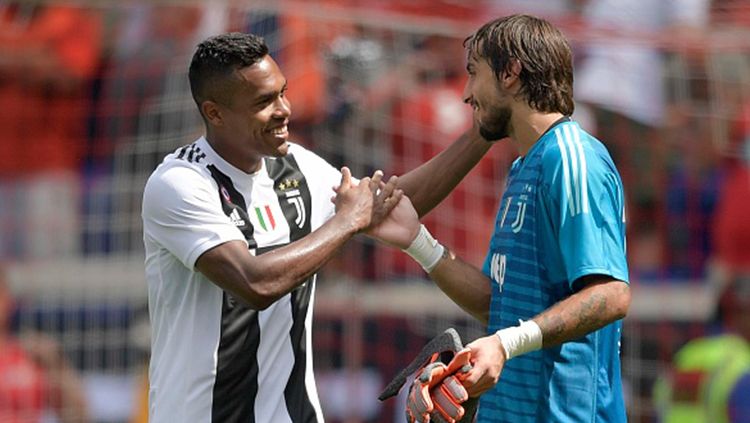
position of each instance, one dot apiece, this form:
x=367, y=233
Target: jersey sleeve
x=584, y=199
x=182, y=213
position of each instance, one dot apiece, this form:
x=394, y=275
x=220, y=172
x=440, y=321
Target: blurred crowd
x=93, y=97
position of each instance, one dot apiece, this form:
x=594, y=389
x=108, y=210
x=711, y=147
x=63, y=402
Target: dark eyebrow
x=266, y=97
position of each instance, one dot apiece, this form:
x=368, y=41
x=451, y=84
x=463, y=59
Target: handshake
x=437, y=394
x=377, y=208
x=383, y=212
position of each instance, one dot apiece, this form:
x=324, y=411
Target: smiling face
x=490, y=103
x=251, y=122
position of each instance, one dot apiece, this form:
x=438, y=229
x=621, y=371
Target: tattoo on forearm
x=559, y=325
x=552, y=327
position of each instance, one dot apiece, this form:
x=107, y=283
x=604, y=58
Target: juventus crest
x=294, y=198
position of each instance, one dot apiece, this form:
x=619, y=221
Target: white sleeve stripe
x=574, y=169
x=584, y=173
x=566, y=171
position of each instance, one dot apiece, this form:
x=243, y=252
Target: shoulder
x=177, y=172
x=311, y=164
x=569, y=150
x=304, y=156
x=178, y=175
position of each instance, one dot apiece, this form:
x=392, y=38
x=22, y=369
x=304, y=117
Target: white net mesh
x=373, y=85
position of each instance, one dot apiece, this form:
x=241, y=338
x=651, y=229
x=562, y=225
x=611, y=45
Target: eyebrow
x=265, y=97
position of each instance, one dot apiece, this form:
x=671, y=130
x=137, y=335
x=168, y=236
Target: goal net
x=373, y=85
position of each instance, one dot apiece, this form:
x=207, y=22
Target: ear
x=511, y=73
x=212, y=112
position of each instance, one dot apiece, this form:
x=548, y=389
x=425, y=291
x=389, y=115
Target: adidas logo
x=236, y=219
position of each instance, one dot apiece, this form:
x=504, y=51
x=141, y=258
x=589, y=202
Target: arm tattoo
x=573, y=318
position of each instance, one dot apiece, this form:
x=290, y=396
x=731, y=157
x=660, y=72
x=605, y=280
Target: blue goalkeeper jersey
x=560, y=218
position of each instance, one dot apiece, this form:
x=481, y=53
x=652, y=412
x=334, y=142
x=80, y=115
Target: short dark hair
x=217, y=58
x=543, y=51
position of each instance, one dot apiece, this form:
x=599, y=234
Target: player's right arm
x=186, y=220
x=261, y=280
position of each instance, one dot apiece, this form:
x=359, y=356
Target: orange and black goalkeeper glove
x=436, y=394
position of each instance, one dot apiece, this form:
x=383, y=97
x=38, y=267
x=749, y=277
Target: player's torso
x=514, y=262
x=251, y=365
x=279, y=207
x=528, y=276
x=518, y=287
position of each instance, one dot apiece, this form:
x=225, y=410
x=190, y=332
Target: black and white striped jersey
x=213, y=359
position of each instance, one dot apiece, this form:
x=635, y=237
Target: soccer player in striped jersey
x=235, y=226
x=556, y=262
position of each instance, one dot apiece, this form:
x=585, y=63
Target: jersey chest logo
x=236, y=219
x=517, y=209
x=289, y=189
x=293, y=194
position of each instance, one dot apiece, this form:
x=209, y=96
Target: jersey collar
x=223, y=165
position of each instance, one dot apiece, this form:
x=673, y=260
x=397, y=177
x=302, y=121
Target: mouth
x=281, y=132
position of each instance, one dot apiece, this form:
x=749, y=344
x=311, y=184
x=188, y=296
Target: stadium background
x=94, y=93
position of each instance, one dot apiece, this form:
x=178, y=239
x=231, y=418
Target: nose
x=282, y=108
x=468, y=98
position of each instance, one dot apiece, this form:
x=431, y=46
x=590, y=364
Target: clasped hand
x=381, y=210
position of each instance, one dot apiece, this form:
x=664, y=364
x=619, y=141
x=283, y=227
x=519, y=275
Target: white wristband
x=425, y=250
x=520, y=339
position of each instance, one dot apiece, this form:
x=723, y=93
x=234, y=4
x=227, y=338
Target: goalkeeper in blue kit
x=554, y=285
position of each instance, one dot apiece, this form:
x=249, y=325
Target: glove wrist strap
x=520, y=339
x=425, y=250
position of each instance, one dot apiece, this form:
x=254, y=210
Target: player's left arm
x=427, y=185
x=585, y=204
x=600, y=302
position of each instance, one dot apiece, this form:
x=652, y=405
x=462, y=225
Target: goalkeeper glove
x=436, y=394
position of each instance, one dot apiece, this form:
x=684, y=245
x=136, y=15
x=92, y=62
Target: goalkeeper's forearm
x=466, y=285
x=602, y=301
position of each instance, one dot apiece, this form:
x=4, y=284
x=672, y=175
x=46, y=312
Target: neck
x=231, y=155
x=528, y=126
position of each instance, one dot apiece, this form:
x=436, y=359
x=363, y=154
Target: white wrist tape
x=520, y=339
x=425, y=250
